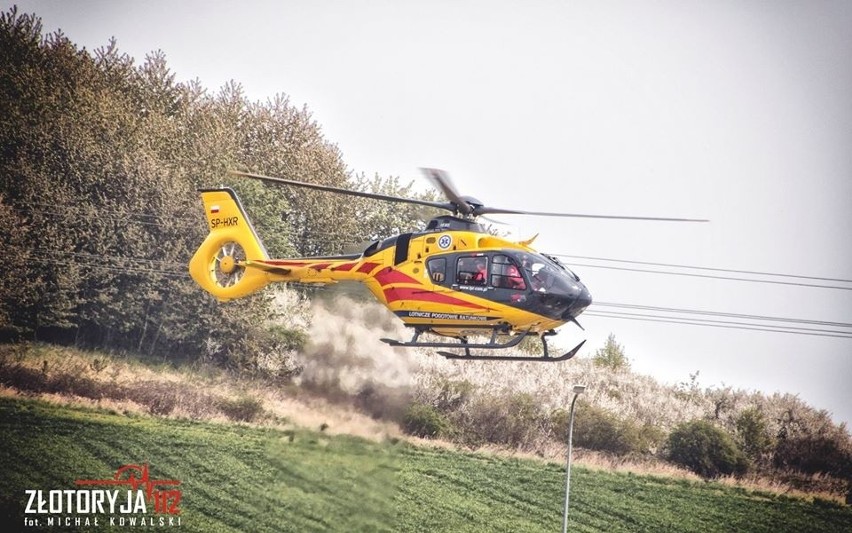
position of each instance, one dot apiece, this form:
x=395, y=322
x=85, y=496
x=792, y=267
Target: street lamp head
x=578, y=389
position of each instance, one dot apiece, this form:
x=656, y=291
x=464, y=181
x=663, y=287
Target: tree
x=611, y=355
x=100, y=164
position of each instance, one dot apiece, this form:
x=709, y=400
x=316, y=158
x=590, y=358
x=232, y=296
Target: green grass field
x=240, y=478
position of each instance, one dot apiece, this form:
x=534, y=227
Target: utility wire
x=709, y=276
x=726, y=323
x=723, y=315
x=112, y=268
x=752, y=327
x=731, y=271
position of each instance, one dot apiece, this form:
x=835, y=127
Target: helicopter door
x=507, y=281
x=505, y=274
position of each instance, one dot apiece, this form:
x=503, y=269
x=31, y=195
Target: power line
x=723, y=315
x=100, y=258
x=709, y=276
x=113, y=268
x=128, y=218
x=722, y=324
x=669, y=265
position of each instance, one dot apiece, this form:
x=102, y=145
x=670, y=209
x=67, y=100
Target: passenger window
x=472, y=270
x=438, y=269
x=505, y=274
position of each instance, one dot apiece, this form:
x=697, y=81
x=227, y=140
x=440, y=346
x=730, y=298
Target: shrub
x=245, y=409
x=813, y=454
x=423, y=420
x=598, y=429
x=514, y=420
x=706, y=450
x=753, y=434
x=453, y=394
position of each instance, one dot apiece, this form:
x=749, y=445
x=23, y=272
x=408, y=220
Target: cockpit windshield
x=558, y=263
x=546, y=274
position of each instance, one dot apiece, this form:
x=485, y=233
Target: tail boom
x=232, y=261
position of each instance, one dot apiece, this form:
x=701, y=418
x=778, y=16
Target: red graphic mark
x=165, y=501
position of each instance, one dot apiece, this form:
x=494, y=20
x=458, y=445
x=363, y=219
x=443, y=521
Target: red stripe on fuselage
x=366, y=268
x=386, y=276
x=421, y=295
x=319, y=266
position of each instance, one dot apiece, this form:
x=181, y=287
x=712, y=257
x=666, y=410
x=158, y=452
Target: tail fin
x=219, y=265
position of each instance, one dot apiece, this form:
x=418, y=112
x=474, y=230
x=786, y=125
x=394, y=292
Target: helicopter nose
x=580, y=302
x=583, y=301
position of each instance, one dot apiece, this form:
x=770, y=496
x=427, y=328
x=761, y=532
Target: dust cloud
x=345, y=351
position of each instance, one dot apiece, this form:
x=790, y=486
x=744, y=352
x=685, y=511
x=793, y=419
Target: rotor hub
x=226, y=268
x=227, y=264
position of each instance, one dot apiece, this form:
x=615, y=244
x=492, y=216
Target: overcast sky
x=735, y=111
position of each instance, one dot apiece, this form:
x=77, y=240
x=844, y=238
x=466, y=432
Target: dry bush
x=512, y=420
x=425, y=421
x=627, y=395
x=600, y=430
x=54, y=371
x=627, y=413
x=243, y=409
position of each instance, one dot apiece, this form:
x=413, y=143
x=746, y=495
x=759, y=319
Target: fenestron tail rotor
x=227, y=266
x=222, y=263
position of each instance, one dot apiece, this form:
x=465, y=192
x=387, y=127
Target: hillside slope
x=241, y=478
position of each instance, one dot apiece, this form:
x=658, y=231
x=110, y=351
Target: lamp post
x=578, y=390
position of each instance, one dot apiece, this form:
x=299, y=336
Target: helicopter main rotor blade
x=329, y=188
x=485, y=210
x=443, y=182
x=456, y=204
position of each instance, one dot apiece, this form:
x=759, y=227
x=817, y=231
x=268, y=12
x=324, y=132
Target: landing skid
x=491, y=345
x=544, y=358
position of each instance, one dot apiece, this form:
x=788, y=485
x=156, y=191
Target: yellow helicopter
x=453, y=279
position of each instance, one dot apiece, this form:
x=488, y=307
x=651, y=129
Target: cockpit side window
x=438, y=269
x=472, y=270
x=505, y=274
